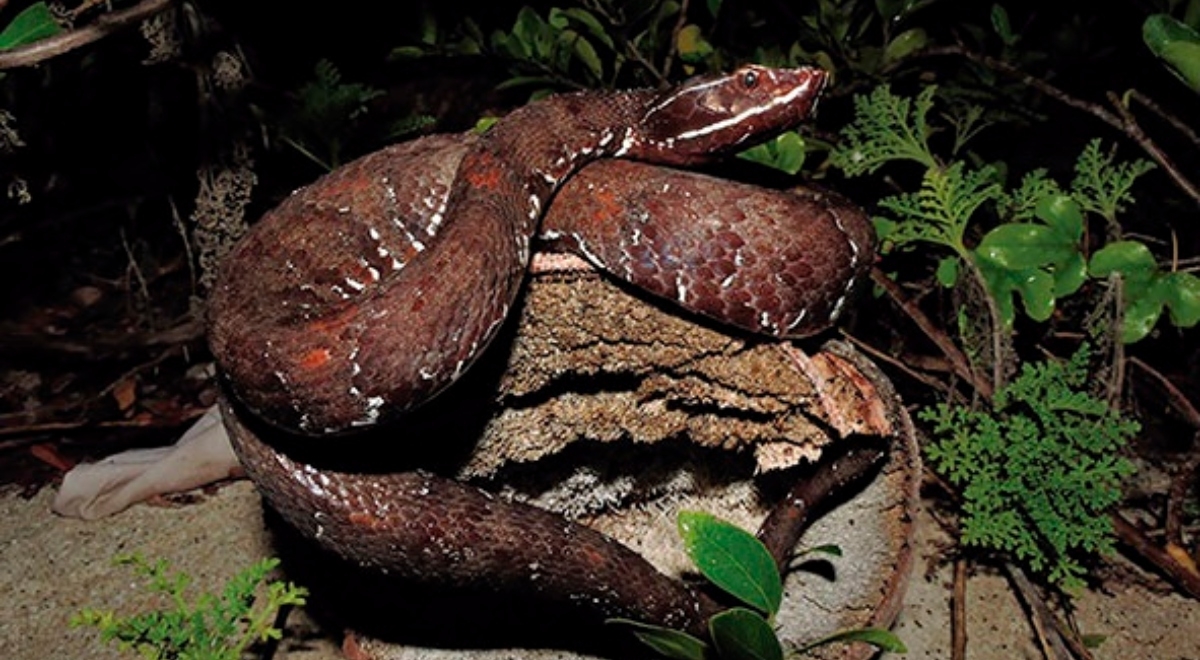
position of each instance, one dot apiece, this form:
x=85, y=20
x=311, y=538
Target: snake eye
x=750, y=79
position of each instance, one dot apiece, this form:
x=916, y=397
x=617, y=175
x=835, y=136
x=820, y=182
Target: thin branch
x=1124, y=121
x=103, y=26
x=1178, y=400
x=671, y=49
x=1058, y=642
x=1181, y=482
x=958, y=611
x=1171, y=119
x=900, y=364
x=958, y=361
x=786, y=522
x=1184, y=576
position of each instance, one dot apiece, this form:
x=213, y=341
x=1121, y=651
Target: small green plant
x=1037, y=253
x=326, y=114
x=210, y=627
x=1039, y=470
x=739, y=564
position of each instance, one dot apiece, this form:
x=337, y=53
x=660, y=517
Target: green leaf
x=1002, y=26
x=785, y=153
x=879, y=638
x=34, y=23
x=732, y=559
x=832, y=549
x=589, y=21
x=742, y=634
x=886, y=128
x=1177, y=45
x=693, y=47
x=714, y=7
x=1063, y=213
x=665, y=641
x=904, y=44
x=1183, y=297
x=947, y=271
x=1130, y=258
x=586, y=53
x=1140, y=316
x=1102, y=186
x=1025, y=246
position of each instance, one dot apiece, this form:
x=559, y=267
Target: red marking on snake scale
x=364, y=519
x=487, y=175
x=315, y=359
x=605, y=207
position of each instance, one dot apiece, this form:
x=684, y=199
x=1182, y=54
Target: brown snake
x=367, y=293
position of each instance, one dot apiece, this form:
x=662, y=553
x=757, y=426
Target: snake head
x=709, y=115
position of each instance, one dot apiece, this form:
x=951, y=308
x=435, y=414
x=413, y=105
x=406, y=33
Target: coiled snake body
x=367, y=293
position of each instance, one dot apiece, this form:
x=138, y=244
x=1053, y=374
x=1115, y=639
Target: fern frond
x=1021, y=203
x=940, y=210
x=886, y=127
x=1103, y=186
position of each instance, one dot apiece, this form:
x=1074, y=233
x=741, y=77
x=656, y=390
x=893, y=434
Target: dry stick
x=958, y=361
x=679, y=25
x=958, y=612
x=27, y=435
x=67, y=41
x=1181, y=481
x=1171, y=119
x=781, y=529
x=1186, y=578
x=929, y=381
x=1058, y=641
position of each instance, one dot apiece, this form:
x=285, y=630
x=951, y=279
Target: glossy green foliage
x=742, y=634
x=1038, y=262
x=732, y=559
x=738, y=563
x=1146, y=289
x=1036, y=255
x=34, y=23
x=1177, y=45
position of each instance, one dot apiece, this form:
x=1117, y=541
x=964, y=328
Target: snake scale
x=368, y=292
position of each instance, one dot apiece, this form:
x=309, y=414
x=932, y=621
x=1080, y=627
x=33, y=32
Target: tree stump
x=618, y=412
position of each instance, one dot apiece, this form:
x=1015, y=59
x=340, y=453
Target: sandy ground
x=53, y=566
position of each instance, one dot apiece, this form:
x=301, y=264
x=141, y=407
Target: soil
x=55, y=566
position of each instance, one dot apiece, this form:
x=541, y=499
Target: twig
x=103, y=26
x=1178, y=400
x=896, y=362
x=1058, y=642
x=673, y=47
x=1124, y=121
x=958, y=612
x=958, y=361
x=1174, y=121
x=1182, y=480
x=18, y=436
x=781, y=529
x=102, y=346
x=1183, y=576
